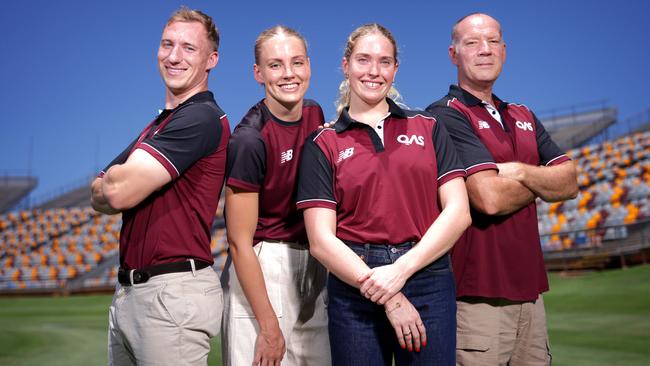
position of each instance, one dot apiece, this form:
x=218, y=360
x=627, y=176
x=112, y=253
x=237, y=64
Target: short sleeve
x=315, y=178
x=471, y=151
x=449, y=165
x=246, y=166
x=192, y=133
x=549, y=152
x=120, y=159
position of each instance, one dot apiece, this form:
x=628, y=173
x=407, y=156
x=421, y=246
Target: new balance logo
x=345, y=154
x=286, y=156
x=406, y=140
x=524, y=125
x=482, y=125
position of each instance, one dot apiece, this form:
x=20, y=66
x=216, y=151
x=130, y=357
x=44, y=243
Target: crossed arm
x=124, y=186
x=518, y=184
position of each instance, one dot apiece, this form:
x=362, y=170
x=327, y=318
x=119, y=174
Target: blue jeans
x=360, y=333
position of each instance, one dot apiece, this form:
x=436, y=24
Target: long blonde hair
x=344, y=88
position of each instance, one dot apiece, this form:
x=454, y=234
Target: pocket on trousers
x=209, y=306
x=271, y=263
x=473, y=343
x=170, y=303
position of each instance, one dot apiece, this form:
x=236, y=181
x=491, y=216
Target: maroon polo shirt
x=263, y=156
x=382, y=193
x=173, y=223
x=498, y=256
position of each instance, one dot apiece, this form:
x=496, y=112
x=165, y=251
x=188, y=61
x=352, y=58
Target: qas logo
x=526, y=126
x=406, y=140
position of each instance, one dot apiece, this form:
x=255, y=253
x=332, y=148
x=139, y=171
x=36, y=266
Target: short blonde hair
x=185, y=14
x=272, y=32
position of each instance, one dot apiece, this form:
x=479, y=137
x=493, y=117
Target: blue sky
x=79, y=78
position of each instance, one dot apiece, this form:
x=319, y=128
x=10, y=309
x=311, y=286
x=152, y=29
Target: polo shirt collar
x=470, y=100
x=345, y=121
x=268, y=115
x=200, y=97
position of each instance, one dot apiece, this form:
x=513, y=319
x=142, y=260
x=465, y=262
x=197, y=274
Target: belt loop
x=193, y=267
x=131, y=276
x=366, y=248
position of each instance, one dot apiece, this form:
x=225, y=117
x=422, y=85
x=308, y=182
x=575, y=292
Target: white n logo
x=345, y=154
x=286, y=156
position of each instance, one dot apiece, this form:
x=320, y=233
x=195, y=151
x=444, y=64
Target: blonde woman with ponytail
x=384, y=200
x=274, y=303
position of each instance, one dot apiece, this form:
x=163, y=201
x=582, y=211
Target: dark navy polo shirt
x=263, y=156
x=498, y=256
x=383, y=193
x=173, y=223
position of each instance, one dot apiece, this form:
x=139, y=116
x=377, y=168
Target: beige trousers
x=168, y=320
x=501, y=332
x=296, y=286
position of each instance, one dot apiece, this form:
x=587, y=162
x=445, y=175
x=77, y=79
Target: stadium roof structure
x=77, y=197
x=14, y=189
x=573, y=129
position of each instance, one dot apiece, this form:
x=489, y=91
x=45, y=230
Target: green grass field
x=595, y=319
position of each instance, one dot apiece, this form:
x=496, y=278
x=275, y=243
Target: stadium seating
x=614, y=180
x=46, y=248
x=51, y=248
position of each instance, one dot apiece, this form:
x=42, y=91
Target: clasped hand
x=382, y=283
x=405, y=319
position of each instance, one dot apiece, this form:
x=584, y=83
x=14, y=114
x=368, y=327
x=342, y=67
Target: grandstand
x=13, y=189
x=62, y=245
x=573, y=126
x=68, y=249
x=607, y=222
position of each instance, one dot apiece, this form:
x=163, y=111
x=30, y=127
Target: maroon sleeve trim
x=233, y=182
x=480, y=167
x=162, y=159
x=558, y=160
x=316, y=203
x=451, y=175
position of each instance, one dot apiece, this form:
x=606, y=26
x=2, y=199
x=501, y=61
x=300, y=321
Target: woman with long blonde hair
x=384, y=200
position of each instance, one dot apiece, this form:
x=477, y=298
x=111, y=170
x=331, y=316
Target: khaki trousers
x=501, y=332
x=296, y=286
x=167, y=320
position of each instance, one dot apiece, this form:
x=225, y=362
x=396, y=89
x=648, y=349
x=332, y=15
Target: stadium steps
x=13, y=189
x=78, y=282
x=567, y=261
